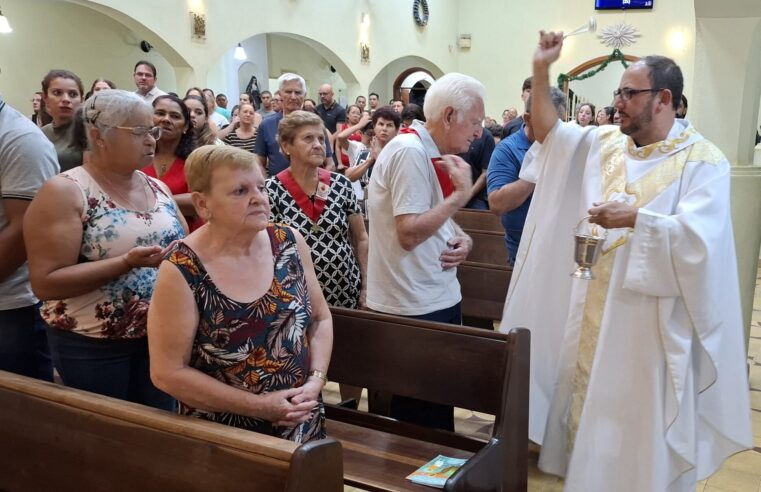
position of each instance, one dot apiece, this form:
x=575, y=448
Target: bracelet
x=320, y=375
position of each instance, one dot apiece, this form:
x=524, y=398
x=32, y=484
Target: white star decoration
x=618, y=35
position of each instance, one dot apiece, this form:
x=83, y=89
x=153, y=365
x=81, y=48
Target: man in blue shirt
x=509, y=195
x=292, y=89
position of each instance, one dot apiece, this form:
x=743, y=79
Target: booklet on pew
x=436, y=472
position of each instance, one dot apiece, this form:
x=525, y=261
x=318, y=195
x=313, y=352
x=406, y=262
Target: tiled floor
x=740, y=473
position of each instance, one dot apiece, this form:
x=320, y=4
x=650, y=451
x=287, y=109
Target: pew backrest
x=59, y=438
x=454, y=365
x=480, y=220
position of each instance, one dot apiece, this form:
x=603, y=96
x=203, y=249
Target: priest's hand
x=548, y=50
x=613, y=215
x=459, y=248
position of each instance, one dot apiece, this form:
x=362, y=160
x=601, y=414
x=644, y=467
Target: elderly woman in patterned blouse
x=94, y=237
x=239, y=330
x=323, y=207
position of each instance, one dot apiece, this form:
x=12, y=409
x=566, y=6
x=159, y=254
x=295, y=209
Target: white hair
x=288, y=77
x=454, y=90
x=113, y=107
x=108, y=108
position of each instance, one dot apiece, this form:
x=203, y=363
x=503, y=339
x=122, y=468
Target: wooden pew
x=484, y=289
x=447, y=364
x=488, y=247
x=63, y=439
x=479, y=220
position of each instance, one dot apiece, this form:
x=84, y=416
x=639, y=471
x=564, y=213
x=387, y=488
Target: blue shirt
x=504, y=168
x=267, y=145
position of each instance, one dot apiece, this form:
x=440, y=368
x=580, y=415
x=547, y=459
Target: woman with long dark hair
x=176, y=143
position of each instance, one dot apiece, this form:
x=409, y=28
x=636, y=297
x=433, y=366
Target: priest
x=638, y=377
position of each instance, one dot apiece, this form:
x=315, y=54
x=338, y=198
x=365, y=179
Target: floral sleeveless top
x=260, y=346
x=118, y=309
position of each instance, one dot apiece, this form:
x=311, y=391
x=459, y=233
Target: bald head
x=326, y=94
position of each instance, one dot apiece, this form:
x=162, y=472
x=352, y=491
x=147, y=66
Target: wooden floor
x=740, y=473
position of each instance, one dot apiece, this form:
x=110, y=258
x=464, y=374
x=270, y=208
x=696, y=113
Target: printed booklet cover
x=436, y=472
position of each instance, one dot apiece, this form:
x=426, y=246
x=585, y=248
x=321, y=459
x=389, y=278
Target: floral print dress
x=258, y=346
x=116, y=310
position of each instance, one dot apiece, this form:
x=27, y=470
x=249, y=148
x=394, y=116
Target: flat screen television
x=623, y=4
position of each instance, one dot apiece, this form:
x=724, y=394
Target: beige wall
x=292, y=55
x=505, y=35
x=71, y=34
x=51, y=34
x=728, y=71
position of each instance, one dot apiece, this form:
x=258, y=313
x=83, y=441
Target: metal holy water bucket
x=587, y=249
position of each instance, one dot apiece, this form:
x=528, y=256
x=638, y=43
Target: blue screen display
x=623, y=4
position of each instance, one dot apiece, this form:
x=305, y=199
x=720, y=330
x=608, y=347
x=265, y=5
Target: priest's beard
x=638, y=124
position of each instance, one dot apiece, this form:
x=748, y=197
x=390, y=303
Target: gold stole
x=645, y=189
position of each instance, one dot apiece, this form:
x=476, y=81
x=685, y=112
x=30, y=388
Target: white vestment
x=663, y=397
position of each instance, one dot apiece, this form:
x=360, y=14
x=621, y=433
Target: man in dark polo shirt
x=291, y=88
x=330, y=111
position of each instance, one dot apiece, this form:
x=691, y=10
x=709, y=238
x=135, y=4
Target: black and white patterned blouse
x=334, y=260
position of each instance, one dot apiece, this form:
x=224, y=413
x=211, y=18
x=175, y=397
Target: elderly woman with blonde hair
x=94, y=237
x=238, y=328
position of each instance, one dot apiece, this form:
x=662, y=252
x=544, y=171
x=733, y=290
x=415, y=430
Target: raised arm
x=543, y=114
x=342, y=137
x=414, y=228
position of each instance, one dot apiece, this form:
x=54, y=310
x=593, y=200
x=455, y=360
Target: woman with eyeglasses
x=95, y=236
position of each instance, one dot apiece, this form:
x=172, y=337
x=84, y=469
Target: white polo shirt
x=407, y=283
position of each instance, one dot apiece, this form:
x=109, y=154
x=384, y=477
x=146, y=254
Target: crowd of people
x=184, y=256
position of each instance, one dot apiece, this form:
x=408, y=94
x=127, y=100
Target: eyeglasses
x=141, y=131
x=625, y=93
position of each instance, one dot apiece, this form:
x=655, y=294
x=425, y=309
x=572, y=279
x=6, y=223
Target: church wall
x=53, y=34
x=728, y=73
x=292, y=55
x=505, y=33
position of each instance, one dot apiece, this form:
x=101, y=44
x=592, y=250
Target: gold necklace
x=162, y=165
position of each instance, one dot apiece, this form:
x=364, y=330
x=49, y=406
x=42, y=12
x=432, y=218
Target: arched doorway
x=404, y=73
x=269, y=55
x=412, y=84
x=594, y=80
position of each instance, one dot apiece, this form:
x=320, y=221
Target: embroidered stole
x=312, y=209
x=644, y=190
x=447, y=187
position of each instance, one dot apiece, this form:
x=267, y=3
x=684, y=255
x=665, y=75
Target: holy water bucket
x=587, y=248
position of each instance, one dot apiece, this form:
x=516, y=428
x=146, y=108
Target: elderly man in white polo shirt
x=416, y=186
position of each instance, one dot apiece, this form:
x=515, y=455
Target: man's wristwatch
x=320, y=375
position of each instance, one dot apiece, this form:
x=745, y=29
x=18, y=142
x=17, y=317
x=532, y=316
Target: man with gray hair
x=291, y=88
x=416, y=186
x=510, y=196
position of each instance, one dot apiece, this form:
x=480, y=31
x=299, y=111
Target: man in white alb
x=638, y=377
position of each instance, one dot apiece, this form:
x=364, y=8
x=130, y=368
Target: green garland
x=616, y=55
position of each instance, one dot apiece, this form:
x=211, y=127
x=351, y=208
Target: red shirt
x=174, y=178
x=356, y=136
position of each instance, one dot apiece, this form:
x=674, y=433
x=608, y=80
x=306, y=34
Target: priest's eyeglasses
x=626, y=93
x=141, y=131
